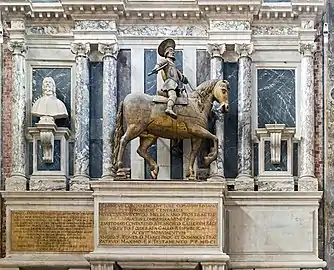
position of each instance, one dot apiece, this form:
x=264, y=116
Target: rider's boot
x=169, y=110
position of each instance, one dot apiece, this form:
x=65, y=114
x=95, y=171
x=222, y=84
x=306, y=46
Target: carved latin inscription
x=163, y=224
x=52, y=231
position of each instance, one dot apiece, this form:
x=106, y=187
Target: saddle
x=161, y=97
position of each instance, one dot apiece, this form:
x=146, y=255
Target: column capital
x=216, y=50
x=244, y=49
x=17, y=47
x=109, y=49
x=80, y=48
x=307, y=48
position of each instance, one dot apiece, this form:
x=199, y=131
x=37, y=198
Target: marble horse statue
x=145, y=117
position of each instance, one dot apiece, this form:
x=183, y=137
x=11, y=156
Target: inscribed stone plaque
x=158, y=224
x=52, y=231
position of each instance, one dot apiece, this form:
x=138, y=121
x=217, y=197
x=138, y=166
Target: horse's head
x=220, y=93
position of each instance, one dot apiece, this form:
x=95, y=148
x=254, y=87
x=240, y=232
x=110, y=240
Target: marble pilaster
x=80, y=179
x=244, y=179
x=110, y=52
x=307, y=180
x=17, y=180
x=216, y=52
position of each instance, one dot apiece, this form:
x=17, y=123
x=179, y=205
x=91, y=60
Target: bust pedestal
x=50, y=157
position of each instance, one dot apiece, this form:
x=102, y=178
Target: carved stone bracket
x=18, y=47
x=307, y=49
x=80, y=49
x=109, y=49
x=244, y=50
x=274, y=133
x=216, y=50
x=47, y=129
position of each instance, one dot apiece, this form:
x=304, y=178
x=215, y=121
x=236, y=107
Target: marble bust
x=49, y=107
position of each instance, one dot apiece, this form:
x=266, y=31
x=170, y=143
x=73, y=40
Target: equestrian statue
x=168, y=115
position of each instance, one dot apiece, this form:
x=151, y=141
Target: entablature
x=168, y=9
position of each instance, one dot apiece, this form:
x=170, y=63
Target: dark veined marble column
x=307, y=180
x=110, y=52
x=217, y=167
x=244, y=179
x=18, y=181
x=80, y=179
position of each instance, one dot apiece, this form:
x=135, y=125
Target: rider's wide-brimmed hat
x=165, y=45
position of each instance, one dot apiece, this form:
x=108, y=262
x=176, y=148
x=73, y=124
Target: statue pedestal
x=158, y=223
x=49, y=174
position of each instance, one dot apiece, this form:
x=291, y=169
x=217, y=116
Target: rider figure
x=172, y=74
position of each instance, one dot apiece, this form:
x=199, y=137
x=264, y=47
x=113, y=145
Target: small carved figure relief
x=146, y=116
x=170, y=74
x=48, y=108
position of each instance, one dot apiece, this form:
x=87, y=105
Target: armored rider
x=171, y=75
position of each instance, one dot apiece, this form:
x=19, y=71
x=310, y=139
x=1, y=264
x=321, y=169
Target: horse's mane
x=204, y=89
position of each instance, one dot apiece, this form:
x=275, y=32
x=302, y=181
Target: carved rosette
x=18, y=48
x=244, y=50
x=80, y=49
x=109, y=49
x=307, y=49
x=216, y=50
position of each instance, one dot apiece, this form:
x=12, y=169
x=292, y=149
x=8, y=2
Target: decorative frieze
x=272, y=30
x=94, y=25
x=232, y=25
x=163, y=30
x=49, y=30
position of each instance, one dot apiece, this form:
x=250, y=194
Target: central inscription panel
x=158, y=224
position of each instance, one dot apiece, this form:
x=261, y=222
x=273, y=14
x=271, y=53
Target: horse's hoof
x=120, y=175
x=207, y=160
x=191, y=178
x=154, y=173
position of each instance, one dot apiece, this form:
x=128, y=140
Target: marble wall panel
x=150, y=87
x=283, y=165
x=96, y=117
x=62, y=78
x=256, y=159
x=276, y=97
x=123, y=89
x=31, y=157
x=71, y=158
x=55, y=166
x=231, y=122
x=176, y=146
x=202, y=75
x=295, y=159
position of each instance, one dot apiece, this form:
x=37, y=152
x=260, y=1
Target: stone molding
x=80, y=49
x=307, y=49
x=244, y=50
x=108, y=49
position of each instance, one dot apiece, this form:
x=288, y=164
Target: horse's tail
x=118, y=133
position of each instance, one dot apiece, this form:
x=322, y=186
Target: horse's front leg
x=198, y=131
x=195, y=145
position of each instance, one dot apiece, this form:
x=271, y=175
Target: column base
x=308, y=183
x=276, y=183
x=244, y=183
x=216, y=178
x=79, y=183
x=47, y=183
x=16, y=183
x=108, y=177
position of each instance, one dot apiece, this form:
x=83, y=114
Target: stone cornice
x=171, y=9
